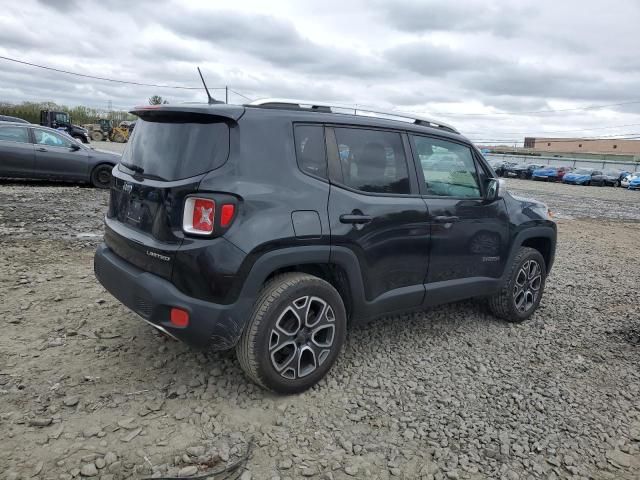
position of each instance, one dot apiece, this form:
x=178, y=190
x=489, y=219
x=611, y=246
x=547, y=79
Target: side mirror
x=496, y=188
x=74, y=147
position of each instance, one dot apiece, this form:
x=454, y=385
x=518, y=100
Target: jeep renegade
x=271, y=227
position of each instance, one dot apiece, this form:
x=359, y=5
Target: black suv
x=271, y=227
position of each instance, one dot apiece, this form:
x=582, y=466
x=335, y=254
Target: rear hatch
x=169, y=153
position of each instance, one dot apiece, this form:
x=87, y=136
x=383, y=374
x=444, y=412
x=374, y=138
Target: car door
x=377, y=216
x=16, y=152
x=469, y=235
x=59, y=156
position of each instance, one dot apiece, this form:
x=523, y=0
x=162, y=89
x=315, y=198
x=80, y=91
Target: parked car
x=271, y=227
x=35, y=152
x=550, y=174
x=580, y=176
x=500, y=166
x=634, y=183
x=7, y=118
x=607, y=177
x=520, y=170
x=627, y=179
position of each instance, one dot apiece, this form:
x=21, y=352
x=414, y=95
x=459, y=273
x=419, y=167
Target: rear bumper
x=152, y=297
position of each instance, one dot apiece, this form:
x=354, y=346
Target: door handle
x=42, y=149
x=355, y=219
x=445, y=219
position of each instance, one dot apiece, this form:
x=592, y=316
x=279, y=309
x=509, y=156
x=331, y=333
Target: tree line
x=30, y=111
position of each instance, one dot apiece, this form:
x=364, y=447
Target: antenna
x=211, y=99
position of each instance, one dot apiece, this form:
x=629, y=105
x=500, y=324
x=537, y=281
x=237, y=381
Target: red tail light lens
x=226, y=214
x=199, y=214
x=179, y=317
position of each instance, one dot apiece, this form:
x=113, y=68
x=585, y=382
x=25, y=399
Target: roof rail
x=312, y=105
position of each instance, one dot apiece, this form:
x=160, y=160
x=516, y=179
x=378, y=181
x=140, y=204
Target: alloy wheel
x=527, y=286
x=302, y=337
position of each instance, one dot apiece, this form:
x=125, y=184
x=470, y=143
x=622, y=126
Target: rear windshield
x=177, y=145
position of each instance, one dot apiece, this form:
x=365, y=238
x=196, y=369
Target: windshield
x=582, y=171
x=176, y=145
x=62, y=117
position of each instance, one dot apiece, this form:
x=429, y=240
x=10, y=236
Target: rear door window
x=176, y=145
x=14, y=134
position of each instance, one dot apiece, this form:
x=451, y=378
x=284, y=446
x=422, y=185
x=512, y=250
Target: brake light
x=198, y=216
x=226, y=214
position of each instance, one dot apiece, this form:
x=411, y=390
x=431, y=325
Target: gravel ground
x=88, y=390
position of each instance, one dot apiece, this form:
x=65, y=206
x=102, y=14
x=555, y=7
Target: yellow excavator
x=103, y=130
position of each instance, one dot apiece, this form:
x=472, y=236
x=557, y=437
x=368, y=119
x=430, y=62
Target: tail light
x=208, y=215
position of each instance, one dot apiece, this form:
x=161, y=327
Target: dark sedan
x=7, y=118
x=35, y=152
x=608, y=177
x=519, y=170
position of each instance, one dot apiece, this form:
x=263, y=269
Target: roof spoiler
x=232, y=112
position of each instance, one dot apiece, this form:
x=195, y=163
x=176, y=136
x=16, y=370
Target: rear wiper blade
x=132, y=167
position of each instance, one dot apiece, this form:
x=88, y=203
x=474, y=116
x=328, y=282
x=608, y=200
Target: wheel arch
x=542, y=239
x=341, y=271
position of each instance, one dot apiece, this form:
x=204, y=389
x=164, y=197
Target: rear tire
x=119, y=138
x=522, y=291
x=294, y=335
x=101, y=176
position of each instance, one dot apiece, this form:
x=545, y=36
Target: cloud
x=435, y=61
x=417, y=16
x=270, y=39
x=429, y=56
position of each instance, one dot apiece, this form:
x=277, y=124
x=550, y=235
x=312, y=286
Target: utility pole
x=226, y=94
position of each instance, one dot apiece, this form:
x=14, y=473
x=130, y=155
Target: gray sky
x=451, y=60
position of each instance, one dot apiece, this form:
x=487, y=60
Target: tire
x=101, y=176
x=269, y=350
x=616, y=184
x=508, y=304
x=523, y=175
x=96, y=136
x=119, y=138
x=81, y=139
x=587, y=183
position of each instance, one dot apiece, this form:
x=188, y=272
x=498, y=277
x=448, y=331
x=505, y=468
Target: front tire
x=96, y=136
x=294, y=335
x=522, y=291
